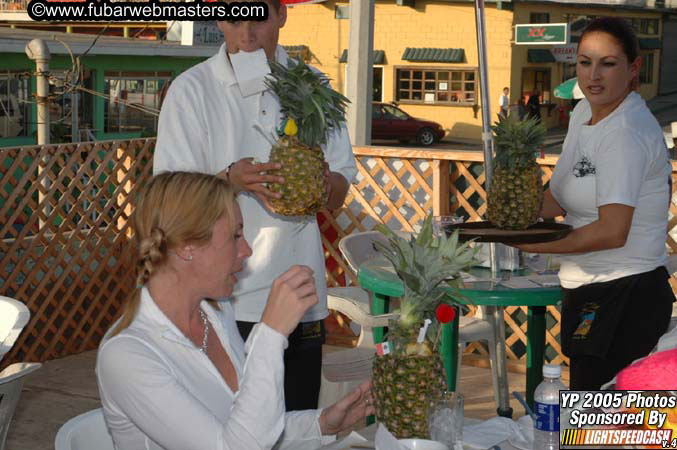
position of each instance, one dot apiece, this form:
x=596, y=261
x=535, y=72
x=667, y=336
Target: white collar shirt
x=160, y=392
x=205, y=125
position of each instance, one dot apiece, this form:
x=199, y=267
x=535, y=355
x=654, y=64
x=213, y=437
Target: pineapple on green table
x=516, y=193
x=311, y=110
x=403, y=380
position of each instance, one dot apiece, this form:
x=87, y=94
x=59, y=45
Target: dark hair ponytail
x=620, y=29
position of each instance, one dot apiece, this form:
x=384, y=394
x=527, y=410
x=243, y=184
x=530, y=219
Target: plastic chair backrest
x=14, y=316
x=84, y=432
x=11, y=381
x=357, y=248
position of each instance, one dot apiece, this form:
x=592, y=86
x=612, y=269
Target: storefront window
x=539, y=17
x=62, y=96
x=15, y=96
x=133, y=97
x=438, y=86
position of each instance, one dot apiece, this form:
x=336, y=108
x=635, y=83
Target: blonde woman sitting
x=173, y=372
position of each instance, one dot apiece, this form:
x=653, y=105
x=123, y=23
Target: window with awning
x=439, y=55
x=540, y=55
x=379, y=57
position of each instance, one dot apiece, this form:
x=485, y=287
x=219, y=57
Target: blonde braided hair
x=174, y=209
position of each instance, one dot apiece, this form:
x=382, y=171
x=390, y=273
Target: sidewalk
x=663, y=107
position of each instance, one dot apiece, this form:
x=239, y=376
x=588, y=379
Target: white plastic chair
x=357, y=248
x=343, y=370
x=14, y=316
x=11, y=382
x=87, y=431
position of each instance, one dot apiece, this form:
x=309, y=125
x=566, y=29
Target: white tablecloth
x=472, y=429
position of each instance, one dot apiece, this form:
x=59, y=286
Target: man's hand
x=248, y=176
x=336, y=186
x=348, y=411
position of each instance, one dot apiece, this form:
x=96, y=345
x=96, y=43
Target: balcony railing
x=64, y=231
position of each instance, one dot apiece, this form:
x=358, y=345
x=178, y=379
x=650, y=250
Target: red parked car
x=390, y=122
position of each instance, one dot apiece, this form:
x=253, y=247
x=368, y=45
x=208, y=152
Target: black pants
x=302, y=364
x=606, y=326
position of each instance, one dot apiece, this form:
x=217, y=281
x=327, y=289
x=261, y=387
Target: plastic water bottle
x=546, y=407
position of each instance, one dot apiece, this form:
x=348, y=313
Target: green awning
x=540, y=55
x=444, y=55
x=379, y=56
x=650, y=43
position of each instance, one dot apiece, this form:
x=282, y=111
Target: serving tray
x=488, y=232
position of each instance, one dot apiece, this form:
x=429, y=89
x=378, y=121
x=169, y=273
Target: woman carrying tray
x=612, y=182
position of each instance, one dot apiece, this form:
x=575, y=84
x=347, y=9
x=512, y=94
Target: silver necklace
x=205, y=331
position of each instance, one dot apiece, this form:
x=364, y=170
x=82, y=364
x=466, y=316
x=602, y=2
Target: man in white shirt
x=504, y=102
x=206, y=125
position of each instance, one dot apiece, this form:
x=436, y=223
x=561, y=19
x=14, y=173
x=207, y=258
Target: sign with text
x=541, y=34
x=617, y=419
x=564, y=53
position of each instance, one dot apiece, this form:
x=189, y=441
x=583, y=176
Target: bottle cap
x=552, y=370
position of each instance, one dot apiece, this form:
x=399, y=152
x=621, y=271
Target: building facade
x=425, y=54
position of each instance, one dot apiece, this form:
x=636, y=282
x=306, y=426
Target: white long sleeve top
x=160, y=392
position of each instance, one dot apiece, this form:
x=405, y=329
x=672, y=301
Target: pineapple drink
x=403, y=380
x=311, y=110
x=516, y=193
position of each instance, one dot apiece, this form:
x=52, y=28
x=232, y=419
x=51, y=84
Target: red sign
x=297, y=2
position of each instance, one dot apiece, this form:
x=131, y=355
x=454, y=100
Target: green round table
x=378, y=276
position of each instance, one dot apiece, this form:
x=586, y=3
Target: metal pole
x=38, y=51
x=75, y=113
x=504, y=408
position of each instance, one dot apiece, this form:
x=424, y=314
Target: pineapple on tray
x=412, y=370
x=311, y=110
x=516, y=193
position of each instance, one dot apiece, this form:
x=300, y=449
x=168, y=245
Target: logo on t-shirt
x=587, y=316
x=584, y=167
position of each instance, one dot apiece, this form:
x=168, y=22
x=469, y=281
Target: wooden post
x=440, y=187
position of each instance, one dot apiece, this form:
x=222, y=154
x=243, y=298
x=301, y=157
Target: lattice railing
x=399, y=187
x=64, y=249
x=64, y=226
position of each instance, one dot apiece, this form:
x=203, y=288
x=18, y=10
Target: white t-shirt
x=622, y=159
x=160, y=392
x=205, y=125
x=504, y=101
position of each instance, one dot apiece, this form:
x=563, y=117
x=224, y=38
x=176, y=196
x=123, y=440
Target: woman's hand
x=609, y=231
x=550, y=208
x=348, y=411
x=292, y=294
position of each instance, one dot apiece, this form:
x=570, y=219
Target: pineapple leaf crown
x=429, y=267
x=517, y=141
x=306, y=97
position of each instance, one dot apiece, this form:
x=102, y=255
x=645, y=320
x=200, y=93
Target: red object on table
x=445, y=313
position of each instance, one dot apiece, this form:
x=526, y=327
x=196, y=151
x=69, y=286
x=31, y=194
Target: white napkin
x=251, y=69
x=385, y=440
x=525, y=438
x=520, y=283
x=346, y=442
x=490, y=432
